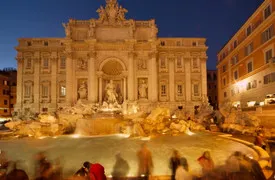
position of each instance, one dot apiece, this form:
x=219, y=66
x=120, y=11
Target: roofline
x=233, y=37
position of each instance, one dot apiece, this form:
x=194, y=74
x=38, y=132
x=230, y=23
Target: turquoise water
x=74, y=150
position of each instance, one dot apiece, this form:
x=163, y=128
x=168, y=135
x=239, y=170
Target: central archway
x=112, y=69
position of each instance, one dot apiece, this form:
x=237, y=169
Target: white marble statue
x=82, y=91
x=67, y=29
x=111, y=94
x=142, y=90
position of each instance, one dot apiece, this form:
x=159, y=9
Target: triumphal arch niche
x=111, y=60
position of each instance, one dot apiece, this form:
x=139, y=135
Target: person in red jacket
x=97, y=172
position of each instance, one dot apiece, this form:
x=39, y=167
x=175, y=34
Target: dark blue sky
x=216, y=20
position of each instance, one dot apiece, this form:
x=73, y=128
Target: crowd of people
x=238, y=166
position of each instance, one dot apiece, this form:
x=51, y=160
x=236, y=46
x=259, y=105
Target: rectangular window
x=225, y=94
x=268, y=34
x=234, y=60
x=5, y=110
x=249, y=49
x=62, y=91
x=45, y=91
x=196, y=90
x=248, y=86
x=4, y=91
x=5, y=82
x=179, y=64
x=254, y=84
x=162, y=62
x=224, y=81
x=27, y=90
x=46, y=63
x=268, y=55
x=235, y=44
x=249, y=67
x=5, y=102
x=270, y=78
x=29, y=63
x=195, y=63
x=163, y=90
x=223, y=68
x=248, y=30
x=46, y=43
x=62, y=62
x=180, y=92
x=236, y=75
x=267, y=12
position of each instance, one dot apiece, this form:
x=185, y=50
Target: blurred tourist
x=17, y=174
x=182, y=172
x=174, y=163
x=43, y=167
x=4, y=163
x=97, y=172
x=206, y=162
x=120, y=169
x=145, y=166
x=84, y=171
x=259, y=141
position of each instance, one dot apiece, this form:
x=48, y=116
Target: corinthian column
x=92, y=88
x=172, y=79
x=154, y=82
x=69, y=79
x=36, y=83
x=53, y=84
x=203, y=77
x=188, y=88
x=20, y=85
x=131, y=81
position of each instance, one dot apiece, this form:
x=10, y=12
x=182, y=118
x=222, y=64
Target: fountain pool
x=74, y=150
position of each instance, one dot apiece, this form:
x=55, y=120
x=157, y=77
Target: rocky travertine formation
x=83, y=119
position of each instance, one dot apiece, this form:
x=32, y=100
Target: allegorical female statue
x=142, y=90
x=82, y=91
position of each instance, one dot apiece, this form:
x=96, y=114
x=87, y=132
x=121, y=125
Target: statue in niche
x=102, y=13
x=67, y=30
x=91, y=30
x=82, y=90
x=82, y=64
x=121, y=13
x=111, y=94
x=142, y=90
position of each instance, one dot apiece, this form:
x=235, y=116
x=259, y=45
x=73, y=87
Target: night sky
x=216, y=20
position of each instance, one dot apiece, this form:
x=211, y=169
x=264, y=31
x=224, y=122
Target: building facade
x=152, y=71
x=246, y=64
x=212, y=90
x=7, y=92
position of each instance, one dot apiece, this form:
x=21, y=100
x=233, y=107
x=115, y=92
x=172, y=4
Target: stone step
x=214, y=128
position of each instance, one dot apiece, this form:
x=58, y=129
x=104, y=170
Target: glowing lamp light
x=174, y=116
x=251, y=103
x=76, y=136
x=262, y=103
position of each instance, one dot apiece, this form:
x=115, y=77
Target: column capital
x=19, y=59
x=152, y=54
x=124, y=74
x=91, y=54
x=99, y=73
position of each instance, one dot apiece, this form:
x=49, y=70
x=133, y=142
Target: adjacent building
x=7, y=92
x=212, y=90
x=246, y=64
x=145, y=69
